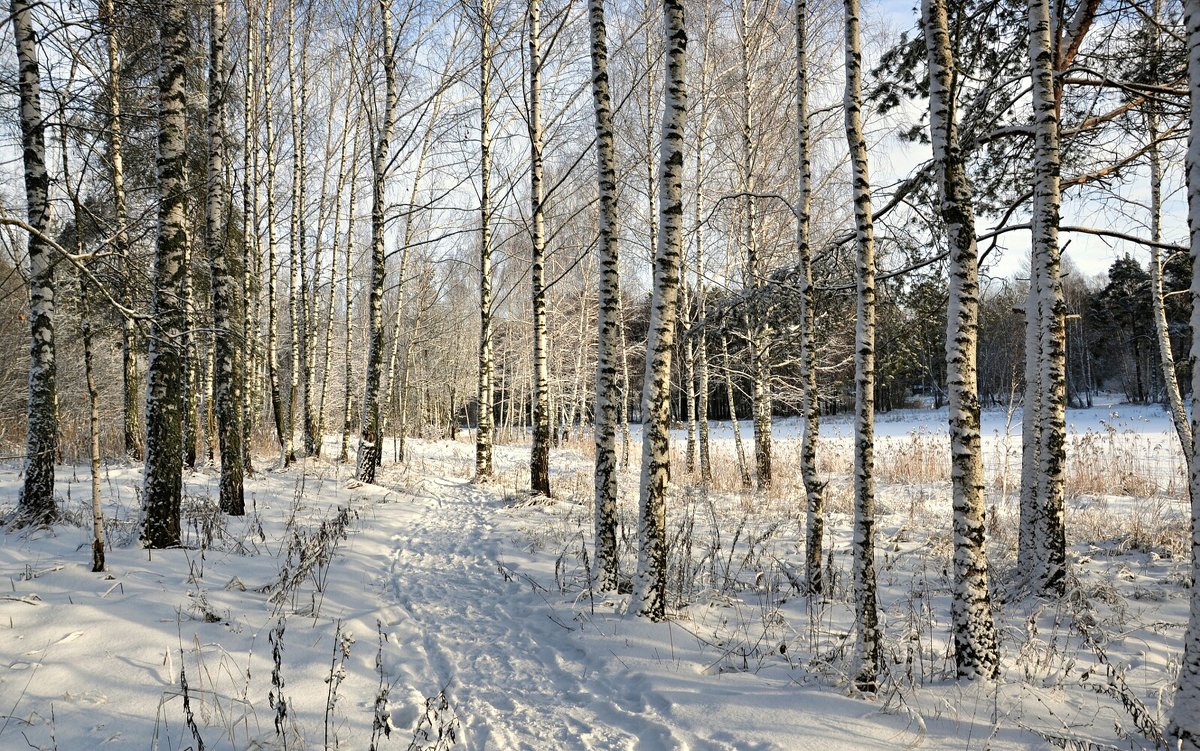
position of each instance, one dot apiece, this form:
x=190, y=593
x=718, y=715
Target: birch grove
x=389, y=242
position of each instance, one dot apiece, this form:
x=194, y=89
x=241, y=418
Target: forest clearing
x=440, y=609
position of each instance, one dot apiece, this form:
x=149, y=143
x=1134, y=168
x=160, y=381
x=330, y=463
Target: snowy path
x=514, y=677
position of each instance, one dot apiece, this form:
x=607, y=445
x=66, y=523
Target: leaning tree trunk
x=608, y=315
x=1166, y=358
x=164, y=437
x=868, y=652
x=370, y=436
x=976, y=653
x=89, y=370
x=36, y=504
x=814, y=489
x=223, y=262
x=1185, y=715
x=539, y=458
x=1050, y=538
x=485, y=423
x=116, y=149
x=650, y=591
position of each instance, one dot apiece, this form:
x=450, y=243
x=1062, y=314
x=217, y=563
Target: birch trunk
x=272, y=297
x=164, y=451
x=868, y=653
x=249, y=235
x=226, y=303
x=1051, y=539
x=36, y=505
x=485, y=427
x=116, y=150
x=1179, y=415
x=1185, y=715
x=85, y=332
x=348, y=361
x=308, y=293
x=370, y=436
x=976, y=654
x=651, y=582
x=295, y=260
x=539, y=459
x=814, y=489
x=608, y=315
x=191, y=358
x=756, y=318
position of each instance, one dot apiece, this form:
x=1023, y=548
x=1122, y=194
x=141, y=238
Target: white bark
x=36, y=504
x=608, y=410
x=370, y=435
x=163, y=479
x=651, y=580
x=1185, y=714
x=814, y=489
x=1050, y=539
x=484, y=395
x=116, y=151
x=539, y=459
x=226, y=304
x=976, y=654
x=868, y=654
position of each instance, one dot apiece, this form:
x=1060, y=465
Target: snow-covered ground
x=432, y=610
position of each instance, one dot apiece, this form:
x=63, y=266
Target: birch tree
x=539, y=459
x=370, y=433
x=36, y=504
x=608, y=410
x=226, y=303
x=651, y=580
x=484, y=396
x=814, y=490
x=163, y=480
x=1049, y=540
x=976, y=654
x=131, y=428
x=868, y=654
x=1185, y=714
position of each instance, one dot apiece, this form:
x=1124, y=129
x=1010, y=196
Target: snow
x=489, y=629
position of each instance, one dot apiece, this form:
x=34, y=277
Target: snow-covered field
x=443, y=614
